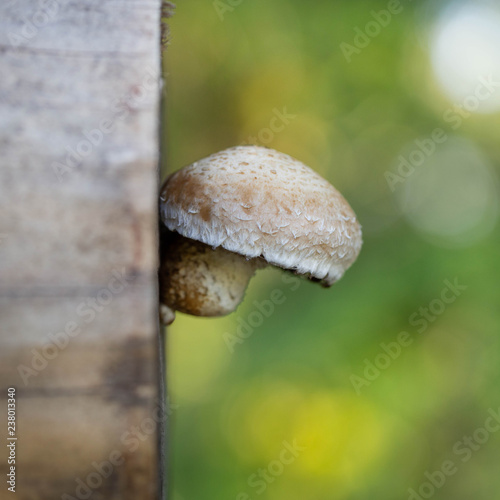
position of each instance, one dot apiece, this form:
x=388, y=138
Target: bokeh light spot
x=465, y=51
x=452, y=198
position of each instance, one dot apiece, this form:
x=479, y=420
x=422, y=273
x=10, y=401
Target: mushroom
x=239, y=210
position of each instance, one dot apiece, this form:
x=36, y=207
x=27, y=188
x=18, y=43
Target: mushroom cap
x=258, y=202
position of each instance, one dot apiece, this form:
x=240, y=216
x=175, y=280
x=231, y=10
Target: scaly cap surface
x=255, y=201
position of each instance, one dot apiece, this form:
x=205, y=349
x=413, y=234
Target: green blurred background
x=314, y=371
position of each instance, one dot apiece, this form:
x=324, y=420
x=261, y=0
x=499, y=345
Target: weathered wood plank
x=79, y=113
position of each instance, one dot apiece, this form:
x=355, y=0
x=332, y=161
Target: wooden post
x=79, y=345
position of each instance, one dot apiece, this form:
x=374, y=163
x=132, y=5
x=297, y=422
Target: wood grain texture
x=79, y=135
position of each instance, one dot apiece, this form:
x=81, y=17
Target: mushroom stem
x=200, y=280
x=167, y=315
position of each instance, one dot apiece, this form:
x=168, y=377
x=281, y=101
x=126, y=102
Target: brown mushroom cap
x=196, y=279
x=258, y=202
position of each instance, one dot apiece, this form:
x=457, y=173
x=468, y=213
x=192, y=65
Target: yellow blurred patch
x=341, y=433
x=196, y=356
x=267, y=90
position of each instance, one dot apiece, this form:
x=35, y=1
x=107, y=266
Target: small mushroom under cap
x=199, y=280
x=261, y=204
